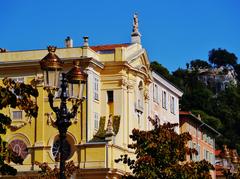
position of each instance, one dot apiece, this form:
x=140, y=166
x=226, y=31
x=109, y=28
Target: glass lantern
x=51, y=65
x=76, y=81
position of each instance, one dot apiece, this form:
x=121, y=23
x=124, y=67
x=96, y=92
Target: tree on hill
x=199, y=64
x=209, y=119
x=157, y=67
x=220, y=111
x=237, y=71
x=161, y=153
x=226, y=107
x=221, y=57
x=14, y=95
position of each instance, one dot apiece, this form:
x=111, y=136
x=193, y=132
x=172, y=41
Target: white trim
x=166, y=84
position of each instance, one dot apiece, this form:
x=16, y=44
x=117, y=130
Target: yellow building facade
x=116, y=99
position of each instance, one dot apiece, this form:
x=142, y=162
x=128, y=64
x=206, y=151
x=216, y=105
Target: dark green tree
x=199, y=64
x=221, y=57
x=227, y=109
x=161, y=153
x=209, y=119
x=237, y=71
x=14, y=95
x=221, y=111
x=157, y=67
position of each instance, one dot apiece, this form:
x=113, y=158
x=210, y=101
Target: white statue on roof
x=136, y=36
x=135, y=22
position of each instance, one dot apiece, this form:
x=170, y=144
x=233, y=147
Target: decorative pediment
x=140, y=62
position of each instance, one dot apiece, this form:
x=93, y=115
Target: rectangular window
x=213, y=159
x=172, y=105
x=96, y=121
x=199, y=134
x=155, y=93
x=110, y=96
x=199, y=152
x=164, y=99
x=204, y=137
x=207, y=155
x=96, y=88
x=190, y=145
x=17, y=115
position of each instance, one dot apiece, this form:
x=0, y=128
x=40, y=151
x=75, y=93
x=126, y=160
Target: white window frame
x=17, y=118
x=172, y=105
x=199, y=152
x=155, y=93
x=96, y=121
x=164, y=99
x=140, y=102
x=96, y=88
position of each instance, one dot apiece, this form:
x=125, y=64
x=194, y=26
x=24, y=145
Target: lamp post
x=72, y=82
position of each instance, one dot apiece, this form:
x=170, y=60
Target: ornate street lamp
x=72, y=82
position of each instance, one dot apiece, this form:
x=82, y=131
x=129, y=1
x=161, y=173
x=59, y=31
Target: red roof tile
x=184, y=112
x=108, y=47
x=217, y=152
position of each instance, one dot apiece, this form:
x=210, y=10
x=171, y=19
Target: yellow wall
x=117, y=72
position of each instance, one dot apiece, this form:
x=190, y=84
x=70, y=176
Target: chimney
x=135, y=36
x=199, y=117
x=85, y=41
x=85, y=46
x=2, y=50
x=68, y=42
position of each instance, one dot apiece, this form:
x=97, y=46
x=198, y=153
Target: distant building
x=203, y=137
x=164, y=100
x=218, y=78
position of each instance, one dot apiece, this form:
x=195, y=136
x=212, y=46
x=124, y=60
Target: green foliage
x=211, y=120
x=221, y=57
x=161, y=153
x=219, y=111
x=101, y=133
x=155, y=66
x=14, y=95
x=201, y=96
x=199, y=64
x=237, y=71
x=116, y=124
x=222, y=110
x=227, y=109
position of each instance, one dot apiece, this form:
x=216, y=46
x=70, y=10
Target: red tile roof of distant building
x=108, y=47
x=188, y=115
x=184, y=112
x=217, y=152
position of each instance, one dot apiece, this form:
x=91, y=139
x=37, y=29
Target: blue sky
x=173, y=31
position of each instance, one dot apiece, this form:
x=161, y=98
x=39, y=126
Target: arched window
x=68, y=148
x=19, y=147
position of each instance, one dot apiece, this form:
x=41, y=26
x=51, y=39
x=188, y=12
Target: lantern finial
x=51, y=49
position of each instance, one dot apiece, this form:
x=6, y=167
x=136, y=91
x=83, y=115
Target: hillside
x=218, y=107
